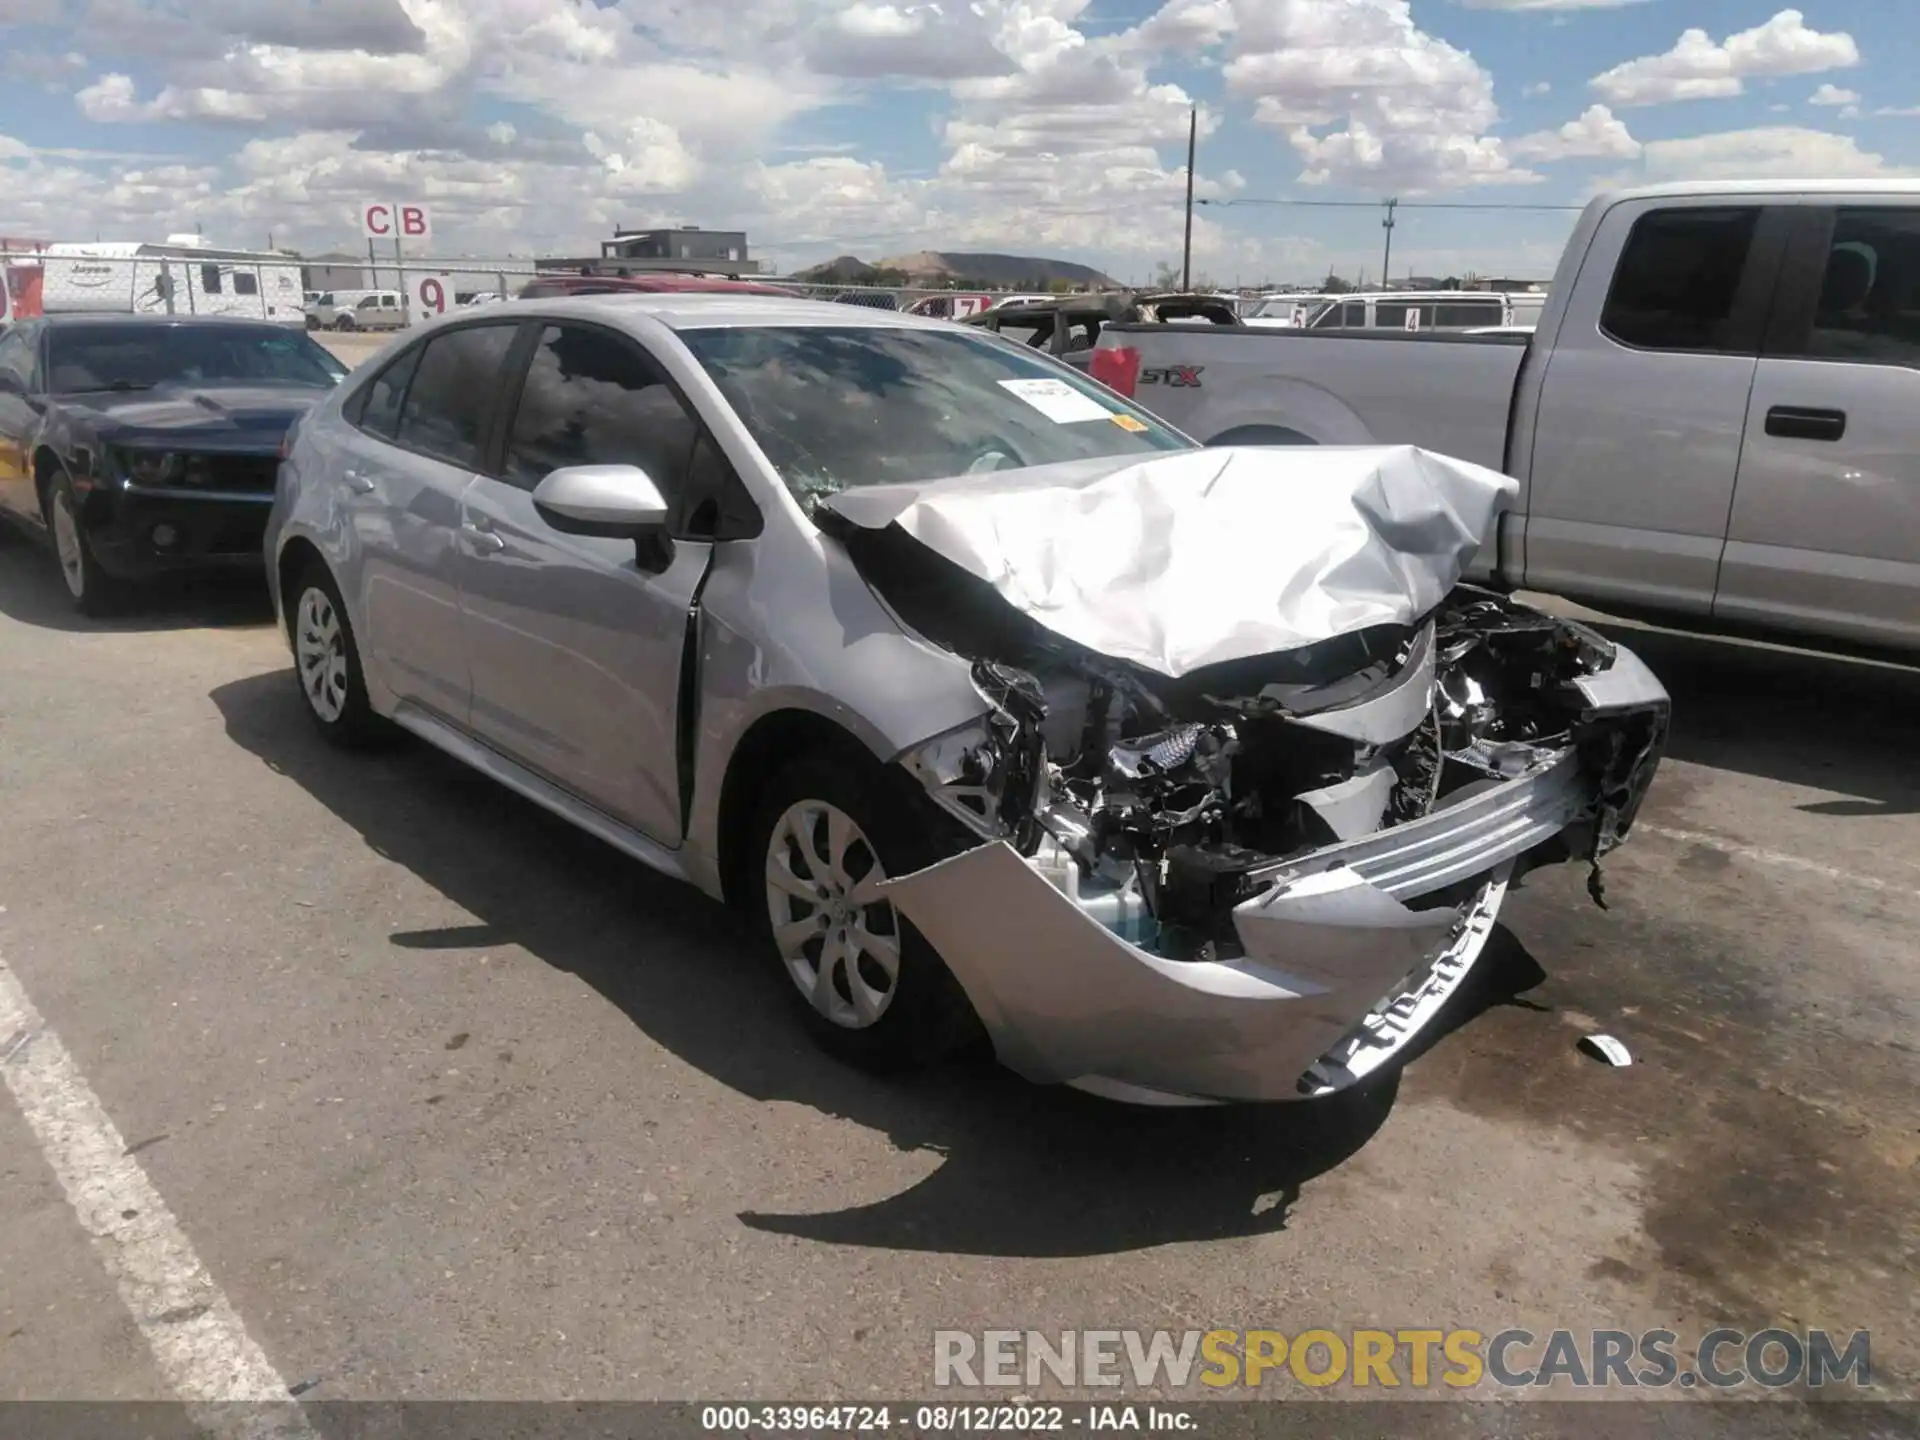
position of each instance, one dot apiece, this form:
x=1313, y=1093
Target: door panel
x=425, y=423
x=575, y=648
x=1644, y=402
x=575, y=655
x=1825, y=531
x=405, y=512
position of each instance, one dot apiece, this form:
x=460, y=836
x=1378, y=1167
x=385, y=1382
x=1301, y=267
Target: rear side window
x=447, y=406
x=210, y=279
x=378, y=405
x=592, y=398
x=1679, y=278
x=245, y=284
x=1465, y=314
x=1869, y=306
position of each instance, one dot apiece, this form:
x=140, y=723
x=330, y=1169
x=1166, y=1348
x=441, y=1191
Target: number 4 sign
x=427, y=297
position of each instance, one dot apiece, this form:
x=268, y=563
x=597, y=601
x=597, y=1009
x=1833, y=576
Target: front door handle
x=358, y=483
x=482, y=539
x=1796, y=422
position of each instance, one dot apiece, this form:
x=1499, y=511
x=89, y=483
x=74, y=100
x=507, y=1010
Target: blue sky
x=882, y=126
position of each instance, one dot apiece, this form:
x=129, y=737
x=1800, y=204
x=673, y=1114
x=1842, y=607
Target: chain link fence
x=337, y=294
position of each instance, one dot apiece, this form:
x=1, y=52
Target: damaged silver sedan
x=1185, y=775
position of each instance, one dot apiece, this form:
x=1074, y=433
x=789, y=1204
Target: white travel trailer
x=181, y=277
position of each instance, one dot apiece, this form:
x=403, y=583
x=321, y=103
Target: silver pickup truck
x=1717, y=418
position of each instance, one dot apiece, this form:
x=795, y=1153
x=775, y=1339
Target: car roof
x=696, y=310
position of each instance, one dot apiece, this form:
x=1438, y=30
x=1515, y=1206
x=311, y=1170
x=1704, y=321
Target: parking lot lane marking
x=199, y=1342
x=1781, y=860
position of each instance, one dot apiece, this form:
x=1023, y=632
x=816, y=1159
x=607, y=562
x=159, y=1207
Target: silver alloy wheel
x=840, y=941
x=66, y=540
x=320, y=651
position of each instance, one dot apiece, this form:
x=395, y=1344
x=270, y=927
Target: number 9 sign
x=427, y=296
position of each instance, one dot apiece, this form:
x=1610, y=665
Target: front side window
x=244, y=283
x=210, y=279
x=450, y=399
x=835, y=408
x=1679, y=278
x=592, y=398
x=140, y=357
x=1869, y=306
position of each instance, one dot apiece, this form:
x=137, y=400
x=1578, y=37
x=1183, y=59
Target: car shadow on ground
x=1027, y=1170
x=32, y=592
x=1827, y=722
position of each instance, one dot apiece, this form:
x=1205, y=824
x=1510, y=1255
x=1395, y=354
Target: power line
x=1379, y=204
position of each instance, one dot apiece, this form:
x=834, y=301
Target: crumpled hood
x=1198, y=557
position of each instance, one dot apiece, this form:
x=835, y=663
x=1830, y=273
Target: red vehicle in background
x=19, y=280
x=548, y=287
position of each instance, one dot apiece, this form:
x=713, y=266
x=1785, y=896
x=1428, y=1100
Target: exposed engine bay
x=1160, y=804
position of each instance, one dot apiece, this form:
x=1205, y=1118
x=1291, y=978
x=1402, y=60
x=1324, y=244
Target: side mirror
x=10, y=384
x=616, y=501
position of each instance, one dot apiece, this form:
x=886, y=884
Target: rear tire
x=94, y=592
x=326, y=664
x=825, y=829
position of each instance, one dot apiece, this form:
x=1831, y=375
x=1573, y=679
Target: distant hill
x=940, y=267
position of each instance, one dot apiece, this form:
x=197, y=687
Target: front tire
x=94, y=592
x=326, y=664
x=869, y=988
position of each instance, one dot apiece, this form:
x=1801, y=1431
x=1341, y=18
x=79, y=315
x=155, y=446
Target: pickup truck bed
x=1448, y=393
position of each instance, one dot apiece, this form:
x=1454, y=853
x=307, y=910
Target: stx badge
x=1174, y=375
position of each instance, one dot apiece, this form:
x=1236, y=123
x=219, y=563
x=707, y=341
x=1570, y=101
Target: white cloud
x=1902, y=110
x=1537, y=89
x=1699, y=67
x=1596, y=135
x=1365, y=97
x=12, y=149
x=1830, y=94
x=1779, y=152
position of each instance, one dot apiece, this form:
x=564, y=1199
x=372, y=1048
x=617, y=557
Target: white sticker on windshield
x=1058, y=401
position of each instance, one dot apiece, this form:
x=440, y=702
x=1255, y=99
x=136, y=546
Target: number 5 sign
x=427, y=298
x=383, y=220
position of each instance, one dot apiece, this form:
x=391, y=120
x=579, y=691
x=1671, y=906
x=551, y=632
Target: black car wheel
x=94, y=592
x=345, y=322
x=326, y=663
x=868, y=986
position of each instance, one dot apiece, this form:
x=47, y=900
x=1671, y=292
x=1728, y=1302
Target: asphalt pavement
x=444, y=1099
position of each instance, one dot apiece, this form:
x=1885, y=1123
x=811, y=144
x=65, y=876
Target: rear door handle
x=1796, y=422
x=480, y=535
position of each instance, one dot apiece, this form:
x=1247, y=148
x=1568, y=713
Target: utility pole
x=1386, y=262
x=1186, y=251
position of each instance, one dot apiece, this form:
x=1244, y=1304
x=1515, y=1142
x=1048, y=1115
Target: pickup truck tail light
x=1117, y=369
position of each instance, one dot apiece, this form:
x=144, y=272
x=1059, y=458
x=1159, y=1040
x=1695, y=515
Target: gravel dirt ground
x=452, y=1101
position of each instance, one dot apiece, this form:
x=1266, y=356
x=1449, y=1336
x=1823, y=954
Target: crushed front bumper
x=1342, y=965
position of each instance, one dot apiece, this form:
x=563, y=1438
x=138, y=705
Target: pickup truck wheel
x=326, y=664
x=869, y=988
x=345, y=322
x=95, y=593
